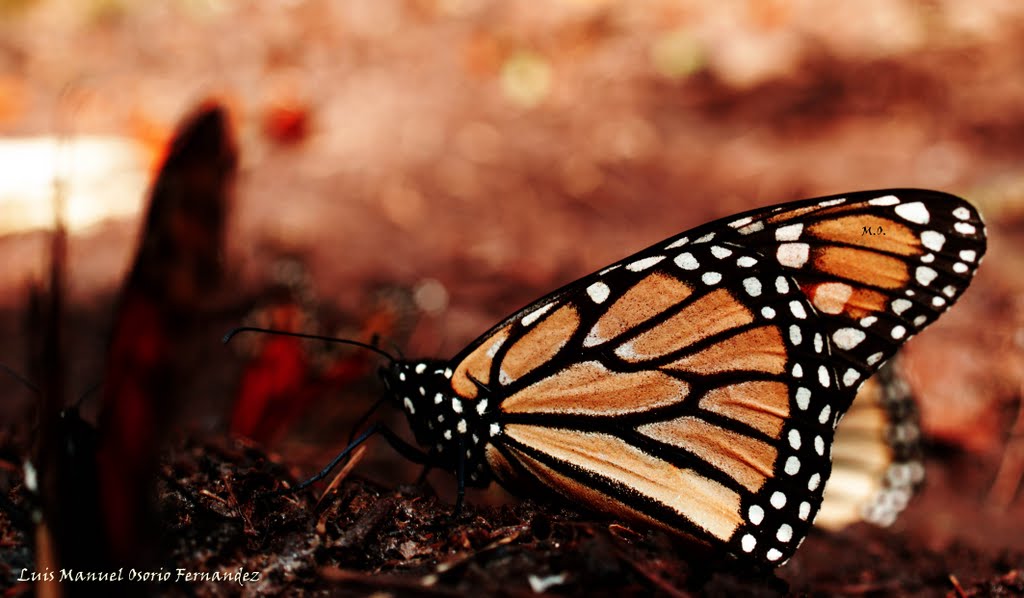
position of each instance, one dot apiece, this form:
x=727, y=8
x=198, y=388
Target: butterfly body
x=696, y=385
x=452, y=428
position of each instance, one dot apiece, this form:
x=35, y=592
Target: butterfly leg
x=402, y=447
x=366, y=416
x=423, y=474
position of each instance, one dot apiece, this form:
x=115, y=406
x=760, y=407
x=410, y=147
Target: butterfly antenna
x=316, y=337
x=19, y=378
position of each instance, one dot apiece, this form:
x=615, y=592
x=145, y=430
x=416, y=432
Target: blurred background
x=418, y=169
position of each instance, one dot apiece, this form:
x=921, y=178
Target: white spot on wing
x=790, y=232
x=814, y=482
x=755, y=514
x=965, y=228
x=532, y=317
x=848, y=338
x=803, y=398
x=645, y=263
x=686, y=261
x=962, y=213
x=793, y=255
x=711, y=278
x=933, y=240
x=901, y=305
x=593, y=338
x=598, y=292
x=885, y=200
x=823, y=376
x=746, y=261
x=792, y=466
x=752, y=286
x=678, y=243
x=626, y=351
x=828, y=203
x=925, y=275
x=720, y=252
x=968, y=255
x=915, y=212
x=753, y=227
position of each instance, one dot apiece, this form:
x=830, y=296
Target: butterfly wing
x=878, y=266
x=176, y=268
x=697, y=383
x=876, y=454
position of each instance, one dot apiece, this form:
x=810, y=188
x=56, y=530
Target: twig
x=956, y=586
x=353, y=459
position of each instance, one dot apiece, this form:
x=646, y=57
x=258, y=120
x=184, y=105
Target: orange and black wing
x=696, y=385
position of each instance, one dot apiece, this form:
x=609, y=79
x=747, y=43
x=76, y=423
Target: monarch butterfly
x=696, y=385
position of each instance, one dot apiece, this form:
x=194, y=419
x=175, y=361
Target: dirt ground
x=419, y=169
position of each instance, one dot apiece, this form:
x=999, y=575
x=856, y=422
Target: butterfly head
x=448, y=426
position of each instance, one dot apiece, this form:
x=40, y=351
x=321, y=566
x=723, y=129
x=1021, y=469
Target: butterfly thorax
x=446, y=425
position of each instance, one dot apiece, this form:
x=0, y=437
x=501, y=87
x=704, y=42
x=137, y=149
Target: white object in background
x=103, y=178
